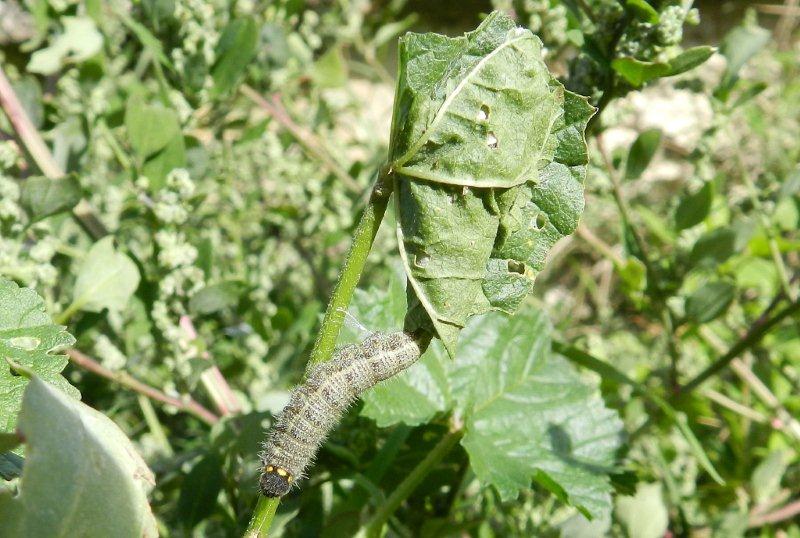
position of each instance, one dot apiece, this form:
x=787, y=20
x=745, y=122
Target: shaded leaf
x=82, y=476
x=107, y=278
x=641, y=153
x=29, y=337
x=235, y=49
x=694, y=208
x=216, y=297
x=714, y=247
x=200, y=489
x=709, y=301
x=42, y=197
x=529, y=416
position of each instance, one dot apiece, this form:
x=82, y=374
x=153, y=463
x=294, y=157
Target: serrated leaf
x=235, y=49
x=28, y=337
x=107, y=278
x=529, y=416
x=694, y=208
x=82, y=476
x=42, y=197
x=489, y=158
x=641, y=153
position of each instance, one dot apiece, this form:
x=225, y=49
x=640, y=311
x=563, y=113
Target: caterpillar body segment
x=316, y=406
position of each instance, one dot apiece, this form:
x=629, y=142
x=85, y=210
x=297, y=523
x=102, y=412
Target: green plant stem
x=262, y=517
x=757, y=331
x=363, y=237
x=374, y=526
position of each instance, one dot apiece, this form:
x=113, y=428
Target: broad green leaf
x=150, y=127
x=529, y=416
x=235, y=49
x=28, y=337
x=82, y=476
x=641, y=153
x=330, y=70
x=694, y=208
x=107, y=278
x=216, y=297
x=709, y=301
x=767, y=476
x=476, y=110
x=644, y=515
x=79, y=41
x=714, y=247
x=199, y=491
x=638, y=72
x=489, y=158
x=42, y=197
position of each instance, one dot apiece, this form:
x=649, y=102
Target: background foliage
x=212, y=158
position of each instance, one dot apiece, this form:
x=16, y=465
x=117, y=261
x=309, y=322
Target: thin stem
x=374, y=526
x=781, y=514
x=262, y=517
x=363, y=237
x=184, y=403
x=40, y=153
x=154, y=425
x=757, y=331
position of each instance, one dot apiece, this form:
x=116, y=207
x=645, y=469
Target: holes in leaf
x=540, y=221
x=422, y=260
x=28, y=343
x=483, y=113
x=516, y=267
x=491, y=140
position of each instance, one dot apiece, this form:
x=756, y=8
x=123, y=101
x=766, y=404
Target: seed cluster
x=316, y=406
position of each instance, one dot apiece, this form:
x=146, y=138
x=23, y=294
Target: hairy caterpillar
x=315, y=407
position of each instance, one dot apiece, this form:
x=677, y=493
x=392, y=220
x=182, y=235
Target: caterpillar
x=316, y=406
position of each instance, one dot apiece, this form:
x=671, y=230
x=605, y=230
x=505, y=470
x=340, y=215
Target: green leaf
x=146, y=38
x=82, y=476
x=714, y=247
x=9, y=441
x=216, y=297
x=643, y=10
x=235, y=50
x=738, y=47
x=199, y=491
x=637, y=72
x=529, y=416
x=150, y=127
x=489, y=159
x=709, y=301
x=641, y=153
x=107, y=278
x=42, y=197
x=689, y=59
x=29, y=337
x=694, y=208
x=644, y=515
x=79, y=41
x=767, y=476
x=330, y=70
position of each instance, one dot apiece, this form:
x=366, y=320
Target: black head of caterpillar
x=315, y=407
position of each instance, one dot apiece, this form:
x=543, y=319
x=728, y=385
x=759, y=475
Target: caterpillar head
x=275, y=482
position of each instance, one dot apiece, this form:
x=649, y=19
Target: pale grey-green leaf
x=82, y=476
x=107, y=278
